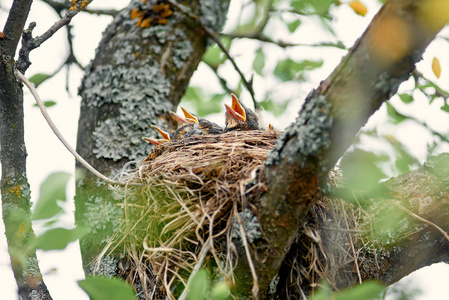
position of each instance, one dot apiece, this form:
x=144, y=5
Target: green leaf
x=445, y=108
x=220, y=291
x=288, y=69
x=276, y=108
x=39, y=78
x=199, y=285
x=292, y=26
x=365, y=291
x=361, y=170
x=318, y=7
x=259, y=61
x=321, y=6
x=52, y=190
x=406, y=98
x=48, y=103
x=59, y=238
x=394, y=114
x=204, y=105
x=102, y=288
x=214, y=56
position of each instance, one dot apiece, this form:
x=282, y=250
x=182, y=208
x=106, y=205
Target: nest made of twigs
x=192, y=190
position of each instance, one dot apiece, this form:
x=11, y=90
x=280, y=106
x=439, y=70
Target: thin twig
x=198, y=265
x=421, y=219
x=265, y=39
x=356, y=262
x=61, y=137
x=214, y=37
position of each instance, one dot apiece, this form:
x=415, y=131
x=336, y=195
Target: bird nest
x=192, y=189
x=192, y=198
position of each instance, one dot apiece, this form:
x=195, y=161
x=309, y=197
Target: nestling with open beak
x=240, y=117
x=205, y=126
x=166, y=136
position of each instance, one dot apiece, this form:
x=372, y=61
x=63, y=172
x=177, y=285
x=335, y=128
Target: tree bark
x=388, y=234
x=15, y=190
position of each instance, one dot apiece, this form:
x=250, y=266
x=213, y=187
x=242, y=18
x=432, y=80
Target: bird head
x=239, y=117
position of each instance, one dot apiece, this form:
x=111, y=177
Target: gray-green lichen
x=181, y=53
x=107, y=267
x=102, y=214
x=126, y=53
x=161, y=32
x=250, y=224
x=38, y=293
x=273, y=285
x=141, y=94
x=308, y=135
x=32, y=269
x=213, y=13
x=388, y=84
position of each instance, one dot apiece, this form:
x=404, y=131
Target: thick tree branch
x=400, y=227
x=370, y=74
x=15, y=24
x=139, y=74
x=15, y=190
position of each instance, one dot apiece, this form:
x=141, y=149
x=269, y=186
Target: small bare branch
x=29, y=43
x=61, y=137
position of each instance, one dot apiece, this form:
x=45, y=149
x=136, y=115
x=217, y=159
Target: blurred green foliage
x=200, y=288
x=53, y=189
x=367, y=291
x=103, y=288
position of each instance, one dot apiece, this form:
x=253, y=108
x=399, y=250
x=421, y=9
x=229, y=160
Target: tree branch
x=29, y=43
x=15, y=190
x=331, y=116
x=15, y=24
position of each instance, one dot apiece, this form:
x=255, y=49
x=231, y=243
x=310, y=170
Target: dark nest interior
x=193, y=195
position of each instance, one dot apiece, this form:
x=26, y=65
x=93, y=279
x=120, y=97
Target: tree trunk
x=141, y=69
x=15, y=189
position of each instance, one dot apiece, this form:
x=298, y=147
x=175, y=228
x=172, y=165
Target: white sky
x=46, y=155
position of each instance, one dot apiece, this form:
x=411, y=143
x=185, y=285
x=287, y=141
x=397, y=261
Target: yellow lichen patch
x=16, y=190
x=146, y=23
x=23, y=228
x=358, y=8
x=389, y=40
x=83, y=4
x=162, y=21
x=76, y=4
x=157, y=15
x=434, y=14
x=136, y=13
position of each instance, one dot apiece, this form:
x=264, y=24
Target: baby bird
x=166, y=136
x=240, y=117
x=204, y=126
